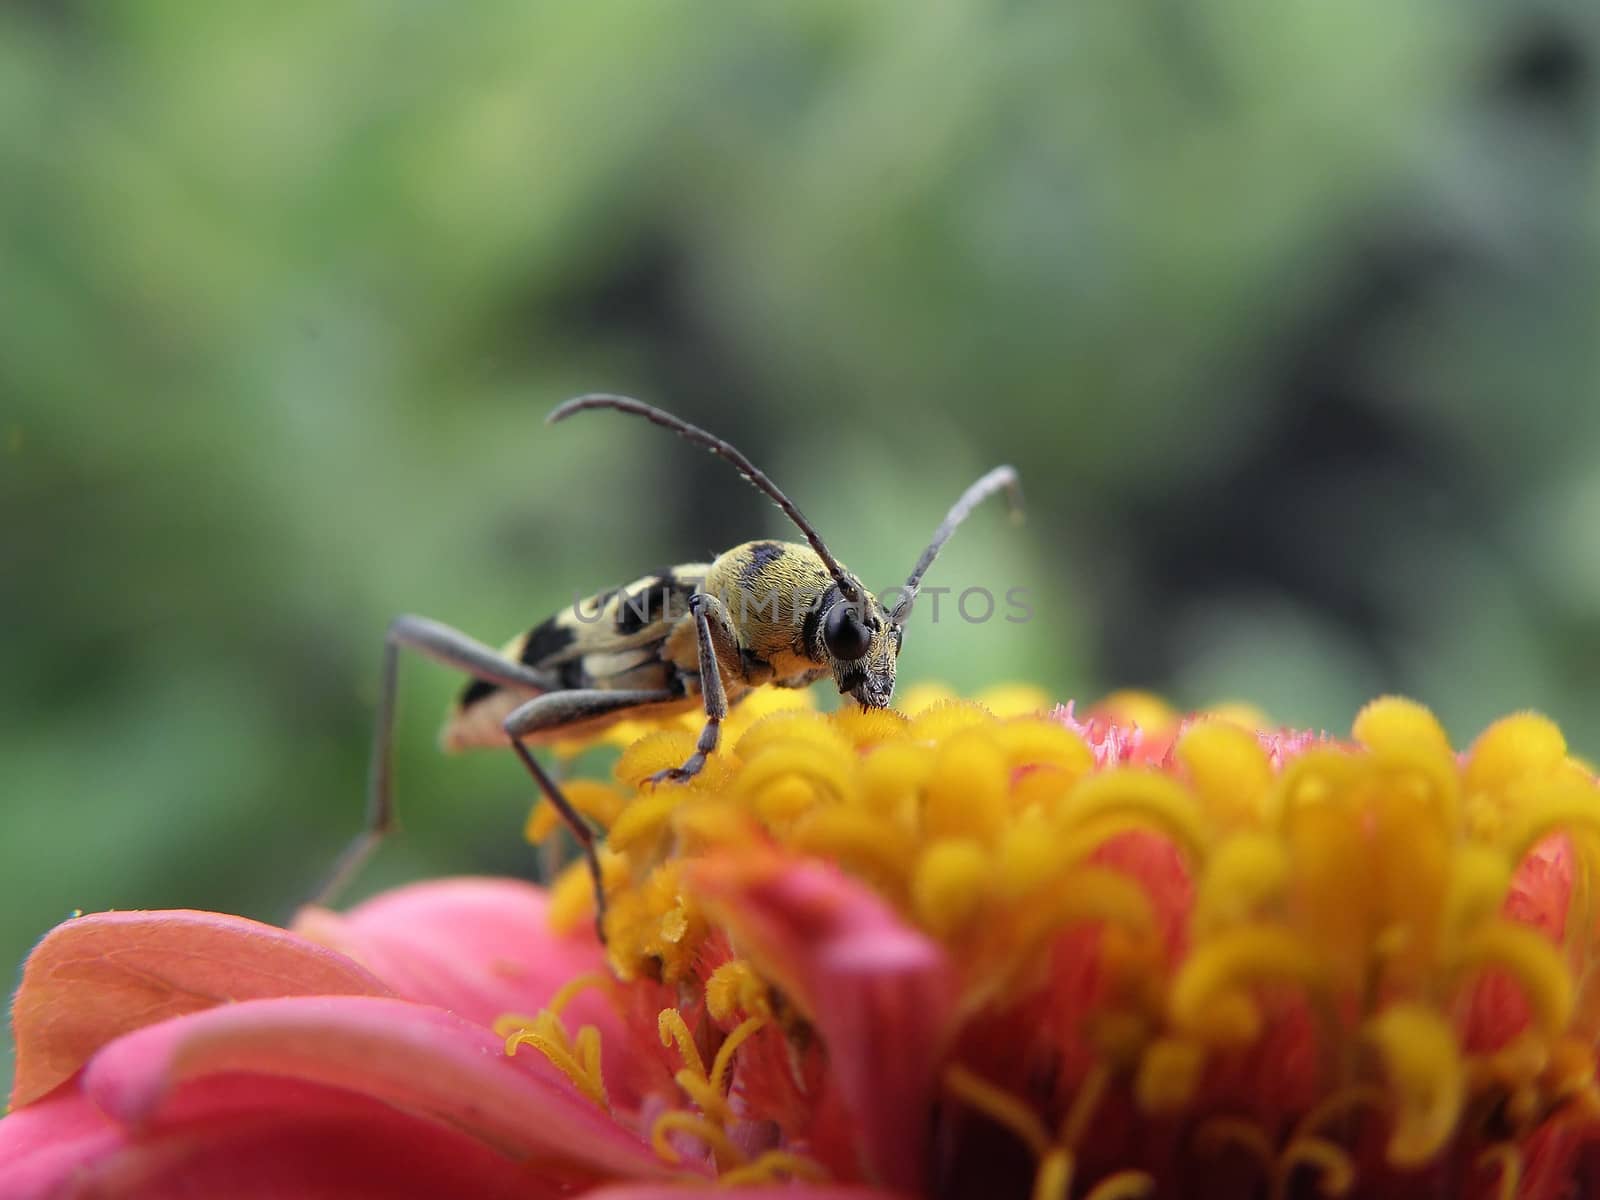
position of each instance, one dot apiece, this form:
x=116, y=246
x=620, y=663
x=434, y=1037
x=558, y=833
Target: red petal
x=97, y=977
x=408, y=1055
x=478, y=947
x=880, y=993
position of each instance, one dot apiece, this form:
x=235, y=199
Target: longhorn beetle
x=693, y=635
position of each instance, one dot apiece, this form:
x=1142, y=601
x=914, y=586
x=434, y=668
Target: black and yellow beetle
x=784, y=614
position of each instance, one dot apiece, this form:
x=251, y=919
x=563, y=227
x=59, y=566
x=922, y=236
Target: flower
x=193, y=1054
x=979, y=949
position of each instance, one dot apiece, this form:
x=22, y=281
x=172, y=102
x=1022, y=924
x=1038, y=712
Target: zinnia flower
x=980, y=950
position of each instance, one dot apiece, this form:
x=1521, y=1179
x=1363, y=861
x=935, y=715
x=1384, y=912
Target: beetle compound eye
x=846, y=637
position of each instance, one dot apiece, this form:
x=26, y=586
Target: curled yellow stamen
x=730, y=1046
x=1507, y=1161
x=1001, y=1107
x=1336, y=1169
x=709, y=1132
x=674, y=1030
x=1566, y=806
x=1343, y=1101
x=773, y=1166
x=507, y=1024
x=1537, y=965
x=562, y=1059
x=1218, y=1133
x=1129, y=796
x=1209, y=998
x=1427, y=1076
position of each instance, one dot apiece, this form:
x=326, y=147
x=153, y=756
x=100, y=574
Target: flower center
x=1158, y=911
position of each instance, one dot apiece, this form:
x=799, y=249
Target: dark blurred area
x=1286, y=313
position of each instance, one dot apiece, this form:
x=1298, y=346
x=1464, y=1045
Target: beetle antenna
x=994, y=481
x=723, y=450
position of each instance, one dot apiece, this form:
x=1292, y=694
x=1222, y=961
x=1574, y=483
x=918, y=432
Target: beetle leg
x=445, y=645
x=551, y=711
x=703, y=608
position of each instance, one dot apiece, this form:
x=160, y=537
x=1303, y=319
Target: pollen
x=1148, y=917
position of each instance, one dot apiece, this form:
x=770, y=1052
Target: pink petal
x=41, y=1145
x=408, y=1055
x=478, y=947
x=880, y=993
x=97, y=977
x=482, y=948
x=357, y=1148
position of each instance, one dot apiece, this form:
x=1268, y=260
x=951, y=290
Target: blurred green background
x=1287, y=312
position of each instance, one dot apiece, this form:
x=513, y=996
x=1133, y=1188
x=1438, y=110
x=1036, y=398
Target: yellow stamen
x=707, y=1099
x=735, y=987
x=1479, y=880
x=1506, y=1158
x=1209, y=998
x=1001, y=1107
x=560, y=1058
x=593, y=799
x=578, y=983
x=674, y=1030
x=1570, y=806
x=1084, y=1105
x=729, y=1047
x=1041, y=742
x=966, y=796
x=1229, y=770
x=798, y=728
x=712, y=1134
x=652, y=753
x=864, y=842
x=1426, y=1074
x=1335, y=1167
x=1169, y=1075
x=1145, y=798
x=507, y=1024
x=827, y=776
x=1015, y=699
x=1123, y=1185
x=1537, y=965
x=587, y=1045
x=644, y=823
x=1053, y=1180
x=1393, y=722
x=1247, y=875
x=1520, y=745
x=1342, y=1102
x=938, y=722
x=947, y=888
x=1218, y=1133
x=774, y=1166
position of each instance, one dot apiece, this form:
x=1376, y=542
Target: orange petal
x=96, y=977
